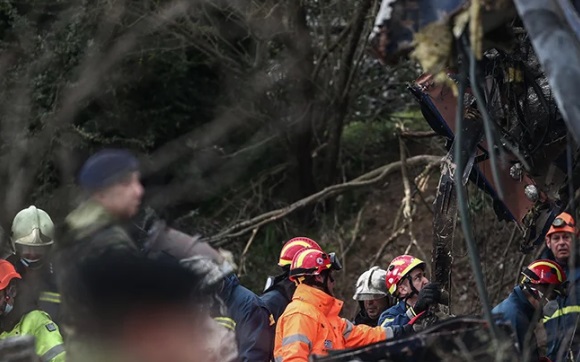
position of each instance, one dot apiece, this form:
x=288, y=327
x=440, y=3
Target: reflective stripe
x=297, y=338
x=226, y=322
x=563, y=311
x=388, y=320
x=49, y=297
x=347, y=329
x=52, y=353
x=389, y=332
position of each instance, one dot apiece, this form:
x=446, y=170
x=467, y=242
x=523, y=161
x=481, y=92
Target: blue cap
x=106, y=168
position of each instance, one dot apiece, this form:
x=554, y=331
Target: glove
x=429, y=295
x=408, y=329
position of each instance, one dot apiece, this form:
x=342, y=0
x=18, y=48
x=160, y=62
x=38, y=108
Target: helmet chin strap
x=414, y=290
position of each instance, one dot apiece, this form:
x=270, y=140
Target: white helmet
x=371, y=284
x=32, y=233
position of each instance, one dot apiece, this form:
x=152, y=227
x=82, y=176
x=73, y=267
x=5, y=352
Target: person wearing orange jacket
x=311, y=323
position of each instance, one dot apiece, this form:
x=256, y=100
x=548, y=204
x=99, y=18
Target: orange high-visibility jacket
x=311, y=325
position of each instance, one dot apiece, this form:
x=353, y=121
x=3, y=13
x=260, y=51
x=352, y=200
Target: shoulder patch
x=51, y=327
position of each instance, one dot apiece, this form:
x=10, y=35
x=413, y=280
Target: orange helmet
x=312, y=262
x=7, y=273
x=563, y=223
x=399, y=268
x=293, y=246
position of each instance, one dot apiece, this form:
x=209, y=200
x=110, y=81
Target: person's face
x=122, y=198
x=374, y=307
x=418, y=279
x=7, y=296
x=560, y=244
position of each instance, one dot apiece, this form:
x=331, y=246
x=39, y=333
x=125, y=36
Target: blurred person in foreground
x=144, y=310
x=29, y=322
x=32, y=238
x=95, y=230
x=311, y=323
x=543, y=280
x=372, y=295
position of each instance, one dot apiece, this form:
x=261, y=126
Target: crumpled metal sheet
x=455, y=339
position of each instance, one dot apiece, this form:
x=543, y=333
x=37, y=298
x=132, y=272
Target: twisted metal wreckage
x=500, y=85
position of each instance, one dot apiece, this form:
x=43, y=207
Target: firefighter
x=406, y=281
x=372, y=295
x=279, y=289
x=94, y=230
x=559, y=239
x=543, y=280
x=311, y=323
x=36, y=323
x=32, y=238
x=561, y=330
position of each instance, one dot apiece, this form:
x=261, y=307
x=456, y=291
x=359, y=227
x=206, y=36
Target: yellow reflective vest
x=49, y=345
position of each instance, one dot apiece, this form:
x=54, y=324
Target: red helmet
x=544, y=271
x=7, y=273
x=563, y=223
x=312, y=262
x=293, y=246
x=399, y=268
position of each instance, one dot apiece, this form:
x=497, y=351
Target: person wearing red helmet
x=406, y=281
x=559, y=238
x=311, y=325
x=279, y=289
x=48, y=340
x=543, y=281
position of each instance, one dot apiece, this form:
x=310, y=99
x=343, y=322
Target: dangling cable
x=461, y=197
x=487, y=123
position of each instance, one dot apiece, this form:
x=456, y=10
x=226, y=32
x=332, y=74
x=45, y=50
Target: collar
x=87, y=218
x=523, y=300
x=326, y=303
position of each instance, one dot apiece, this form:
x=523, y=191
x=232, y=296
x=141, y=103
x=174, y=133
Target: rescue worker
x=559, y=239
x=406, y=281
x=311, y=323
x=561, y=326
x=94, y=229
x=372, y=295
x=32, y=238
x=280, y=289
x=36, y=323
x=543, y=280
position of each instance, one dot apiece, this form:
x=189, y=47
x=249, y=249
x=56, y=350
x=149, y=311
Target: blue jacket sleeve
x=254, y=328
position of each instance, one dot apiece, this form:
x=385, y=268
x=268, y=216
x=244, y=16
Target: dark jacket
x=363, y=318
x=561, y=326
x=89, y=234
x=38, y=287
x=398, y=315
x=278, y=296
x=519, y=312
x=254, y=325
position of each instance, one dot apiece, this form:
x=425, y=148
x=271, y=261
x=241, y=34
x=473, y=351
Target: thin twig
x=242, y=266
x=354, y=233
x=391, y=238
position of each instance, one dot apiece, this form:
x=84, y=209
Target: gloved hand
x=408, y=329
x=429, y=295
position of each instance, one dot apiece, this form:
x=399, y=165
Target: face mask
x=31, y=263
x=7, y=308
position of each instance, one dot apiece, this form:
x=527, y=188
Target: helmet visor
x=336, y=265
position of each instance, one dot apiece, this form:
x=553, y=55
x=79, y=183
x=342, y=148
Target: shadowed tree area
x=236, y=109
